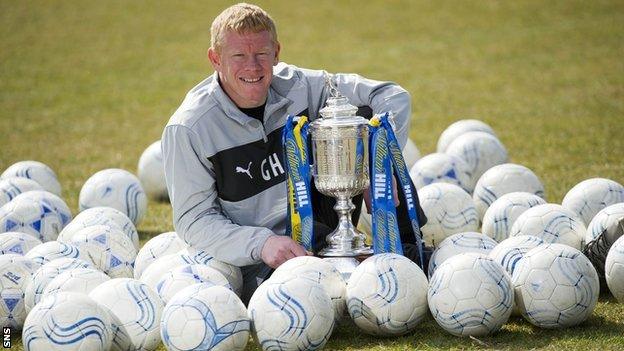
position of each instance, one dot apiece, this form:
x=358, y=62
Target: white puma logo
x=240, y=169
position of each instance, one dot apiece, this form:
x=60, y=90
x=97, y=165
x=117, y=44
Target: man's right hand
x=278, y=249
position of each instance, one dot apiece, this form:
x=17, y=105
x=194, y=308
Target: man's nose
x=252, y=63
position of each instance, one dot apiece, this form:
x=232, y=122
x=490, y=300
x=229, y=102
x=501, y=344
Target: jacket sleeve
x=197, y=215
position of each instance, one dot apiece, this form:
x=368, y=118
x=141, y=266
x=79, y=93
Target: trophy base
x=345, y=264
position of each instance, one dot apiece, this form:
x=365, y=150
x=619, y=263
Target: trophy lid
x=337, y=111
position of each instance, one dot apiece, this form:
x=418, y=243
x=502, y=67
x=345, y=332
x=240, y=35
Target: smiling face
x=245, y=63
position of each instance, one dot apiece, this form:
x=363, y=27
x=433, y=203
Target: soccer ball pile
x=86, y=283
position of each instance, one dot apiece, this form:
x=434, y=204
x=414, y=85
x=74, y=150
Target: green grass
x=89, y=85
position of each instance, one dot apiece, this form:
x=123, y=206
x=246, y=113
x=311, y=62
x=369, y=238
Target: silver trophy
x=340, y=154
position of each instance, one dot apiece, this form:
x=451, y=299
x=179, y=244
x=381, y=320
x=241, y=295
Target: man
x=222, y=147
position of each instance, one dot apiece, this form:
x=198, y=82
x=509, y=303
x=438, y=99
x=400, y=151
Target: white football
x=449, y=210
x=78, y=280
x=504, y=211
x=511, y=250
x=108, y=248
x=32, y=217
x=503, y=179
x=609, y=221
x=156, y=247
x=116, y=188
x=11, y=187
x=15, y=274
x=205, y=317
x=480, y=150
x=37, y=171
x=318, y=271
x=53, y=201
x=67, y=321
x=411, y=154
x=555, y=286
x=232, y=273
x=151, y=172
x=470, y=295
x=291, y=314
x=17, y=243
x=387, y=295
x=135, y=312
x=461, y=127
x=460, y=243
x=590, y=196
x=184, y=276
x=52, y=250
x=100, y=216
x=552, y=223
x=614, y=269
x=154, y=272
x=441, y=168
x=44, y=275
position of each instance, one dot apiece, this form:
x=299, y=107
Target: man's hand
x=278, y=249
x=367, y=198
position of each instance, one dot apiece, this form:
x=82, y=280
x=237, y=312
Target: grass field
x=89, y=85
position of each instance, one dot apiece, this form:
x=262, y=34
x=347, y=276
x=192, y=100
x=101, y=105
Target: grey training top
x=224, y=169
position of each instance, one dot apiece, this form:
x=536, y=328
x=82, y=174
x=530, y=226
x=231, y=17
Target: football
x=37, y=171
x=52, y=250
x=67, y=321
x=11, y=187
x=504, y=211
x=555, y=286
x=318, y=271
x=590, y=196
x=460, y=243
x=480, y=150
x=504, y=179
x=387, y=295
x=156, y=247
x=461, y=127
x=614, y=269
x=205, y=317
x=17, y=243
x=135, y=311
x=151, y=172
x=116, y=188
x=603, y=230
x=53, y=201
x=78, y=280
x=100, y=216
x=44, y=275
x=232, y=273
x=551, y=223
x=32, y=217
x=15, y=274
x=108, y=248
x=470, y=295
x=510, y=251
x=449, y=210
x=291, y=314
x=183, y=276
x=441, y=168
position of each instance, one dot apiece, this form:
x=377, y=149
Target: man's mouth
x=251, y=80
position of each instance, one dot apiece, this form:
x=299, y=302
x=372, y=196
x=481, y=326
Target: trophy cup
x=340, y=154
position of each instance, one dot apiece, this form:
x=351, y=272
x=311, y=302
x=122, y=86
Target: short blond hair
x=241, y=18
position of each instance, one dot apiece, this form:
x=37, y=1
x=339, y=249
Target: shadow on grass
x=517, y=333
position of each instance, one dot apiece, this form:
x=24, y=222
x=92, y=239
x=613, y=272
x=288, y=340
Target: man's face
x=245, y=66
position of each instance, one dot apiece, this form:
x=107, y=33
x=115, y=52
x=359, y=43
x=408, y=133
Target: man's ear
x=214, y=58
x=277, y=51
